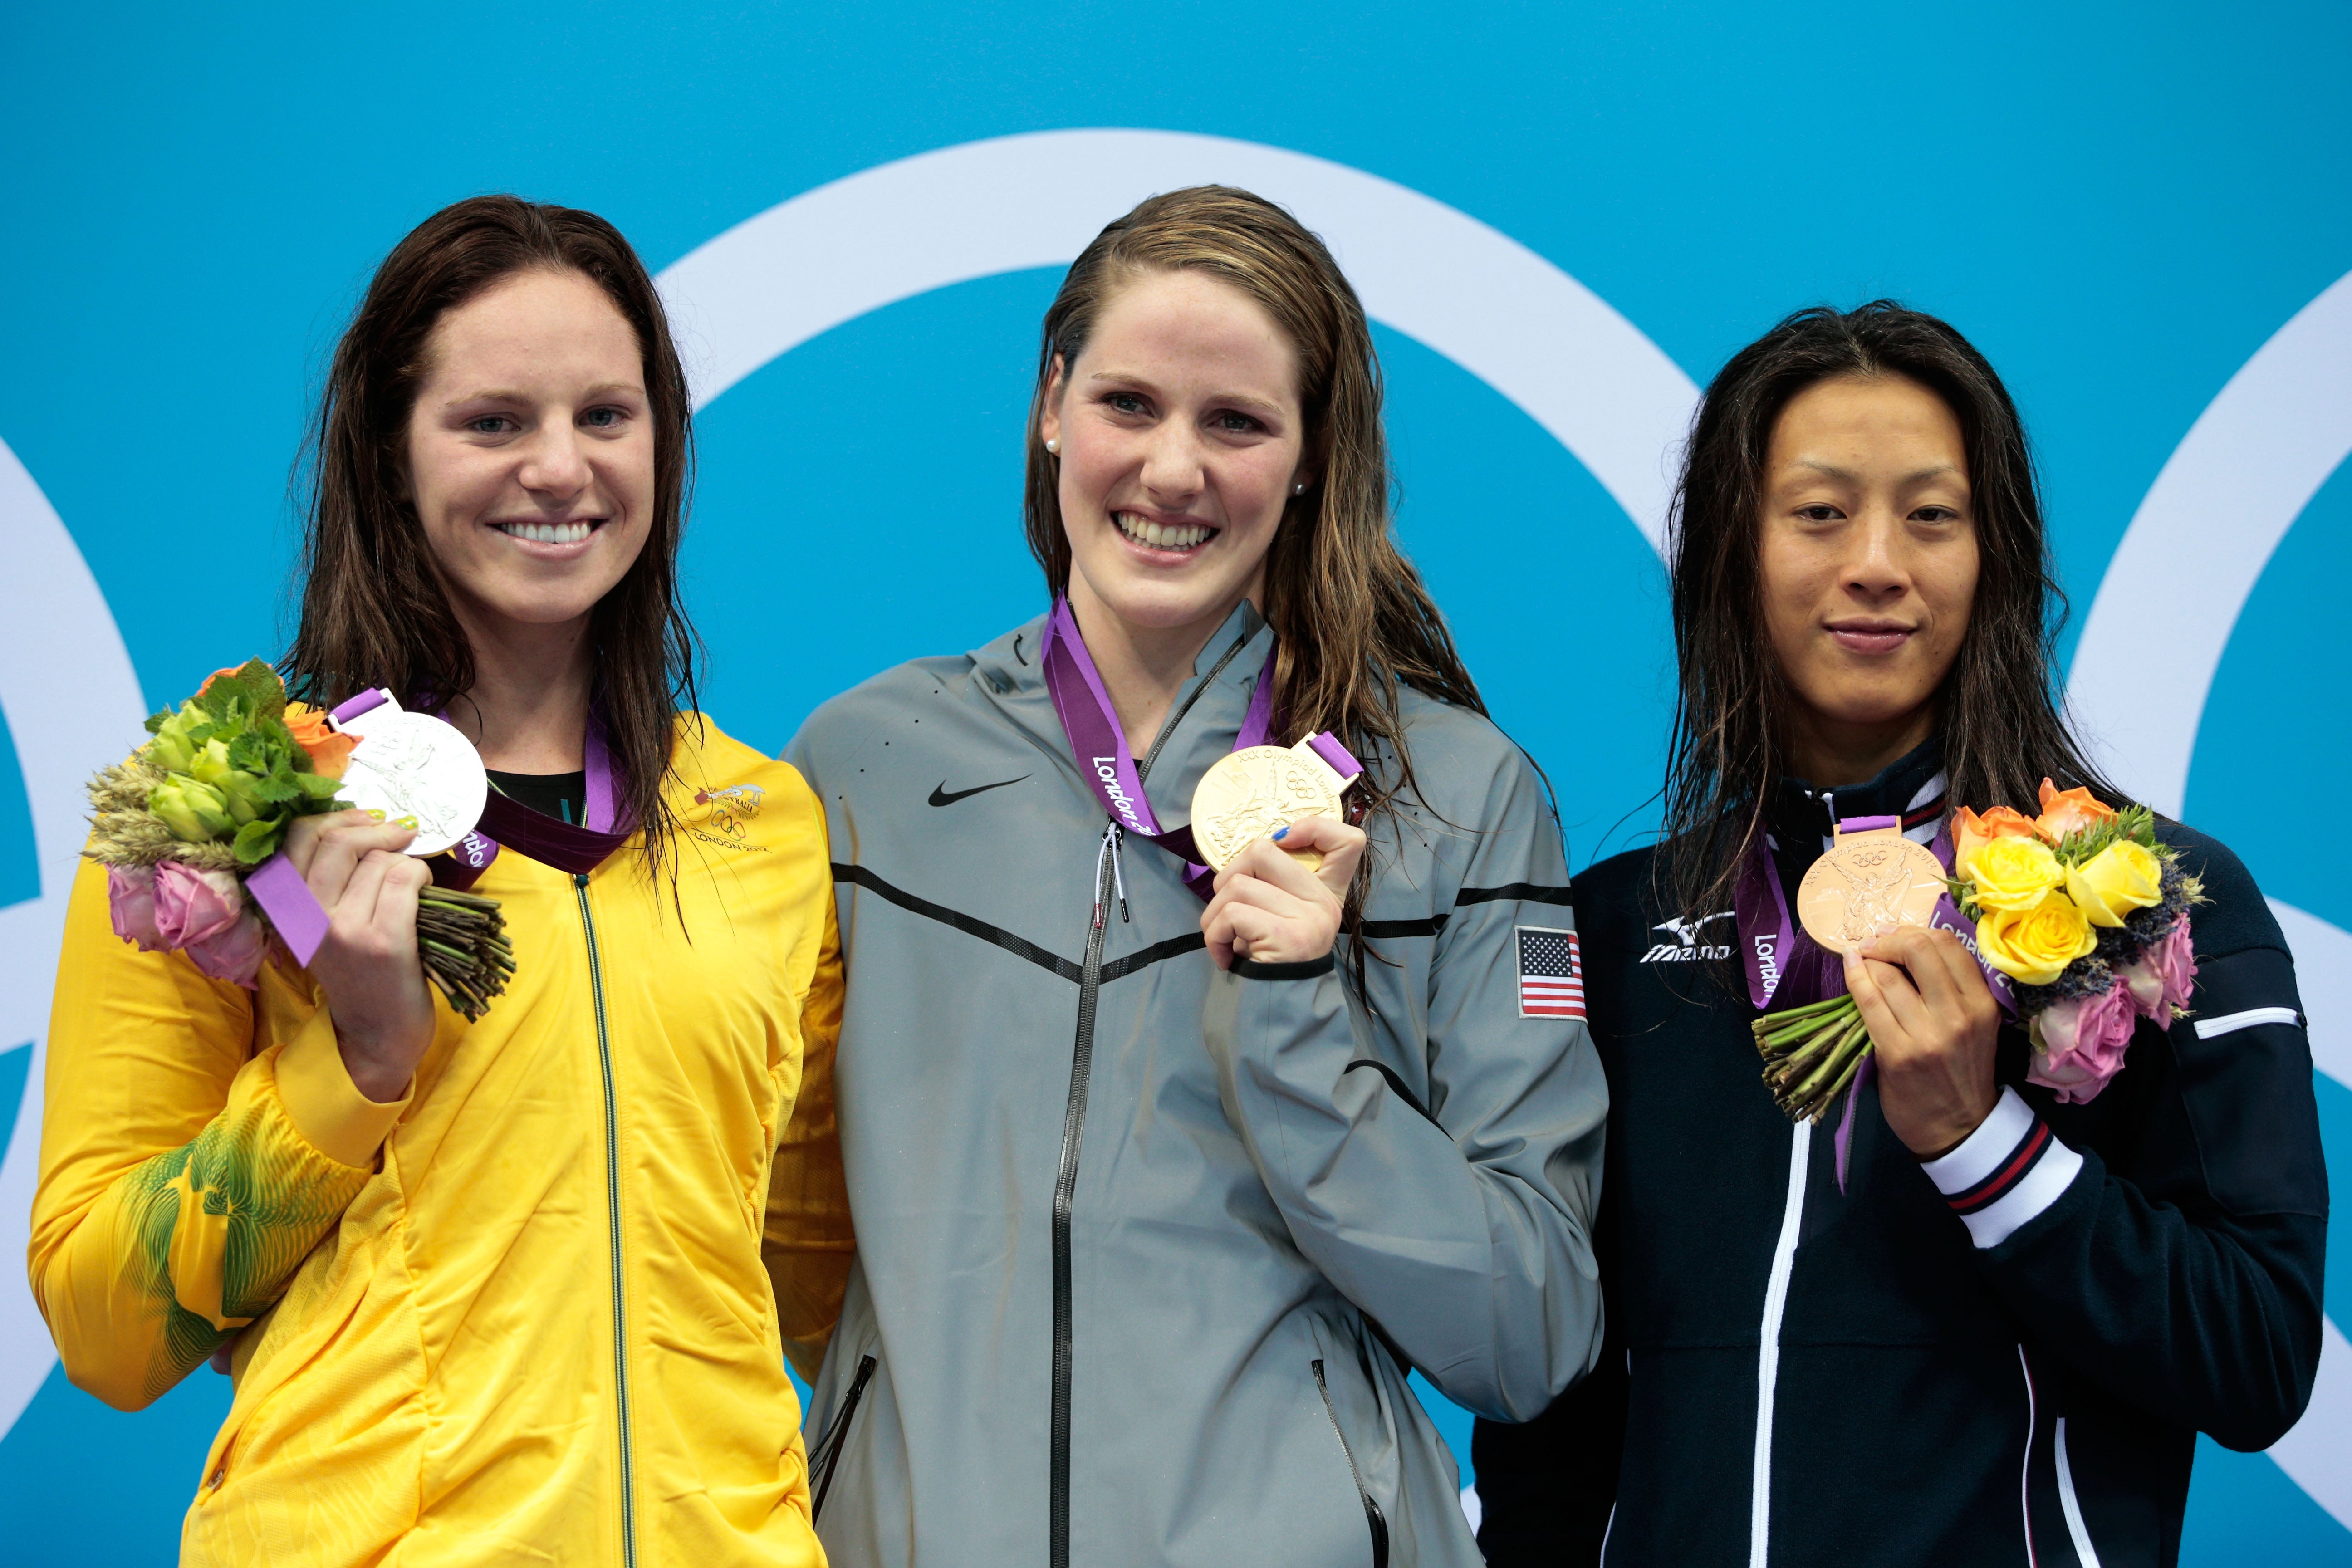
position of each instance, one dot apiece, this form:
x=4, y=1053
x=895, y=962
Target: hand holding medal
x=1271, y=821
x=193, y=828
x=1251, y=793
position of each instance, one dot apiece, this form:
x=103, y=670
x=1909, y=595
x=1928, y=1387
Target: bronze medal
x=1248, y=794
x=1865, y=880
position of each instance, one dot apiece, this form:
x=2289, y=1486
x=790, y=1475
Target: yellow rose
x=2113, y=883
x=2013, y=873
x=1972, y=833
x=2034, y=945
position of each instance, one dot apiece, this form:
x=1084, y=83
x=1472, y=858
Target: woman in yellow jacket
x=492, y=1293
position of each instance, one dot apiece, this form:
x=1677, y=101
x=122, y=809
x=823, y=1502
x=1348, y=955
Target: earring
x=1299, y=489
x=1054, y=447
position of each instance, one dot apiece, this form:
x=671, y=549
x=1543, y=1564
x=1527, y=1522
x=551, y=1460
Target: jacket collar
x=1802, y=816
x=1203, y=720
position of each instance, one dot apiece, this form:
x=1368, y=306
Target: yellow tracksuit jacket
x=520, y=1316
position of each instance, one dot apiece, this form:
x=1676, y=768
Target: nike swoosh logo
x=940, y=796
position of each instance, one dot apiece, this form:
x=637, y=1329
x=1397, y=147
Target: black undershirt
x=564, y=796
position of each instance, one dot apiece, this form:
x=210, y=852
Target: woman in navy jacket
x=1989, y=1328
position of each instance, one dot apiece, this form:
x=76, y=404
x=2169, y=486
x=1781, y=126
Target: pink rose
x=234, y=954
x=2165, y=974
x=131, y=900
x=192, y=906
x=2083, y=1041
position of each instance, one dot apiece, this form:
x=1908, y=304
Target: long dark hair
x=374, y=609
x=1998, y=709
x=1351, y=613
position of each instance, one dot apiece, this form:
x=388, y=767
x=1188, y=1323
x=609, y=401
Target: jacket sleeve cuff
x=1305, y=971
x=325, y=1106
x=2004, y=1174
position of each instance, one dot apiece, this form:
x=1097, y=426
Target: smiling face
x=1181, y=440
x=530, y=454
x=1868, y=559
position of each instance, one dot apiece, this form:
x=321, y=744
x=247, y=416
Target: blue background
x=2119, y=204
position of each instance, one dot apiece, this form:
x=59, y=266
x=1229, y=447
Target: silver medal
x=415, y=771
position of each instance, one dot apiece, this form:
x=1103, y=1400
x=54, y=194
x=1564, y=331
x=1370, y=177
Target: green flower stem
x=1820, y=1072
x=1805, y=1029
x=1810, y=1010
x=1852, y=1066
x=1798, y=1022
x=1811, y=1053
x=1820, y=1091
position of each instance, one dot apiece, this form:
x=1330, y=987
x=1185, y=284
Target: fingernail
x=1278, y=834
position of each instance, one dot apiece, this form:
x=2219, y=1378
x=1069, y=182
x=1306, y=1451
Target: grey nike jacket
x=1145, y=1249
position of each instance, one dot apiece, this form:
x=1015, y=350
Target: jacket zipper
x=1066, y=1184
x=1373, y=1519
x=612, y=1223
x=1074, y=1126
x=829, y=1446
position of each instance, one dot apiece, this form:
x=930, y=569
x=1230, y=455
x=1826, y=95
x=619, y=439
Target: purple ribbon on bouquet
x=1784, y=963
x=301, y=922
x=1098, y=743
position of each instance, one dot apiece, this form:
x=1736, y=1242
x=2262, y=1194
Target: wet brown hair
x=376, y=611
x=1352, y=616
x=1998, y=710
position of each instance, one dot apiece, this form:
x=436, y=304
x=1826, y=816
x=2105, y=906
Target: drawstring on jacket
x=1110, y=850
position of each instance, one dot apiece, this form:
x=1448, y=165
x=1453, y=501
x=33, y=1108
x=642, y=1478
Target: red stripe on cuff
x=1994, y=1186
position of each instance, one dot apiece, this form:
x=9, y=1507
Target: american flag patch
x=1551, y=974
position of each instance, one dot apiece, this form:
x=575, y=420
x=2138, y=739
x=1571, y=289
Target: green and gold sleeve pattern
x=217, y=1227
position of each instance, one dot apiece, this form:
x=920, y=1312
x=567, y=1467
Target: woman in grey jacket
x=1148, y=1236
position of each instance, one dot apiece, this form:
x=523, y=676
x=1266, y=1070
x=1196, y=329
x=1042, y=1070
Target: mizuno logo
x=1687, y=948
x=940, y=796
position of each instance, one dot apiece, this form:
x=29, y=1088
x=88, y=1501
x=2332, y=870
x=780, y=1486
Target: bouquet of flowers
x=2080, y=917
x=187, y=821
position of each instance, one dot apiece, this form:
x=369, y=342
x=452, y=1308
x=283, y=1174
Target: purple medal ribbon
x=569, y=847
x=1785, y=963
x=1099, y=744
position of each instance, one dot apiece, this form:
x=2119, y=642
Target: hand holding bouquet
x=2079, y=917
x=190, y=829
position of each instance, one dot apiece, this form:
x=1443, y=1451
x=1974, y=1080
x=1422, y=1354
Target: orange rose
x=1972, y=833
x=328, y=751
x=2070, y=811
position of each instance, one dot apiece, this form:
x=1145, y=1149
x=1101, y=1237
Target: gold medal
x=1250, y=793
x=1864, y=880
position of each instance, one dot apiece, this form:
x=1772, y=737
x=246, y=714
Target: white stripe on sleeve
x=1994, y=1141
x=2231, y=1023
x=2006, y=1172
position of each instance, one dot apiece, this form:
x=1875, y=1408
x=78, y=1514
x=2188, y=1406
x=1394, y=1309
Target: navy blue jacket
x=2021, y=1338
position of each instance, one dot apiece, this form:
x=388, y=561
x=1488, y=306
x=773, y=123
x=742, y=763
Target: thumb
x=1340, y=845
